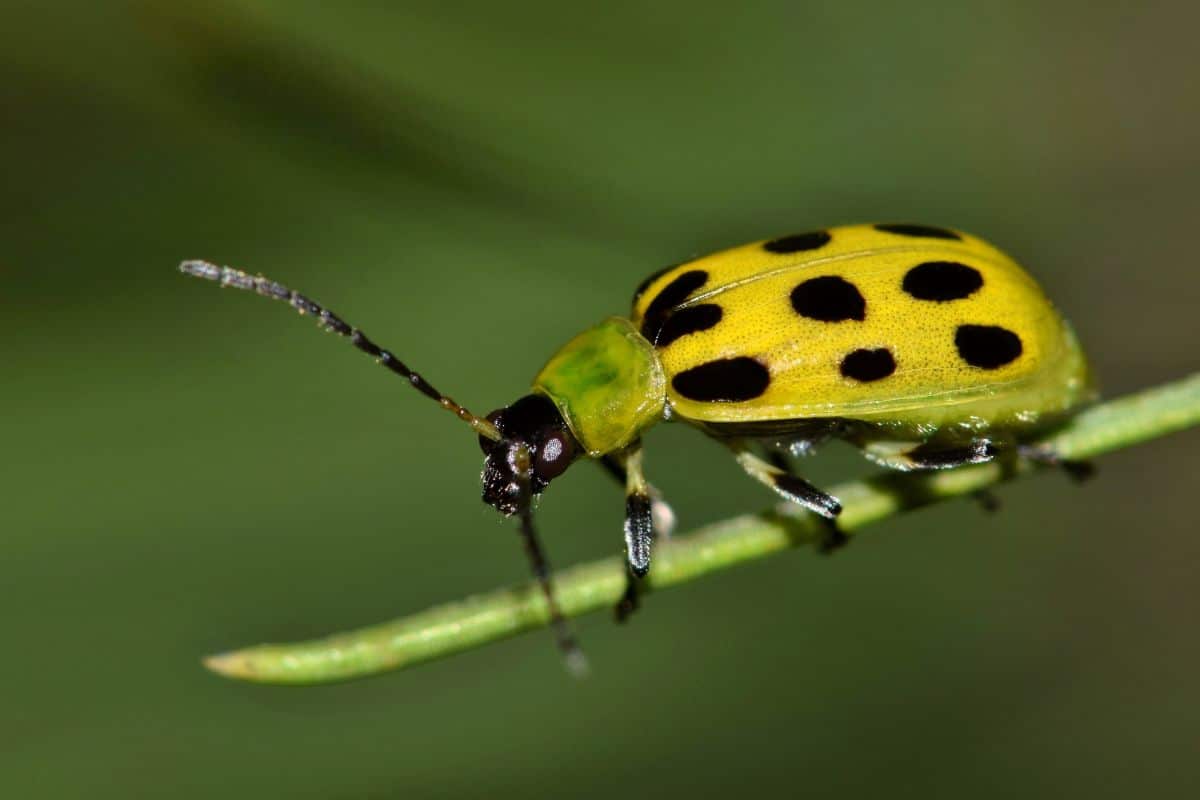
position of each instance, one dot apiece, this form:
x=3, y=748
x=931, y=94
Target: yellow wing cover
x=876, y=322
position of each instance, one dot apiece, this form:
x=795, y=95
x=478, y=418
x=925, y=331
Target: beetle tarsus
x=989, y=501
x=1077, y=470
x=630, y=599
x=833, y=538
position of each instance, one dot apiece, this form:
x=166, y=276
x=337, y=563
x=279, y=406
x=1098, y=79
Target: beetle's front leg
x=639, y=529
x=660, y=510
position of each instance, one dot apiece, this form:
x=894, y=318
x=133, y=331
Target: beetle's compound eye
x=556, y=453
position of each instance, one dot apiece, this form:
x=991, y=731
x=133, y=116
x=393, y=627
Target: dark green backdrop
x=187, y=470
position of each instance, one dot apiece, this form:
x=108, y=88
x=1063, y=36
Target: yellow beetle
x=925, y=347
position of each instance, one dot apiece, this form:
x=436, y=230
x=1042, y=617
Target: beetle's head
x=533, y=433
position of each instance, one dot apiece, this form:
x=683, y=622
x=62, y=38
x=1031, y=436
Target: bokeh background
x=187, y=471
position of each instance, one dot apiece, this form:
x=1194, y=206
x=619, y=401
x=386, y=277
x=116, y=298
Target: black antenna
x=576, y=661
x=330, y=321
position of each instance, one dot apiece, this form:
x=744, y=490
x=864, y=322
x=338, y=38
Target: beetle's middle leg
x=795, y=489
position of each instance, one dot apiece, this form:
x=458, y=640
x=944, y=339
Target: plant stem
x=474, y=621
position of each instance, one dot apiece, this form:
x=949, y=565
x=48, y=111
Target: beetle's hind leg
x=791, y=487
x=941, y=455
x=908, y=456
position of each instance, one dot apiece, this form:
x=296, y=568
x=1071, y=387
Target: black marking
x=668, y=298
x=815, y=430
x=833, y=538
x=692, y=319
x=614, y=467
x=726, y=380
x=829, y=299
x=1078, y=471
x=987, y=346
x=639, y=533
x=798, y=490
x=778, y=459
x=644, y=285
x=676, y=291
x=629, y=602
x=932, y=456
x=989, y=501
x=868, y=365
x=919, y=231
x=798, y=242
x=942, y=281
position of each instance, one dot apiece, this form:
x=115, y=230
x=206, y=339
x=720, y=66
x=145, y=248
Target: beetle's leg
x=932, y=456
x=576, y=661
x=788, y=485
x=613, y=466
x=664, y=516
x=1041, y=454
x=778, y=460
x=639, y=531
x=906, y=456
x=795, y=489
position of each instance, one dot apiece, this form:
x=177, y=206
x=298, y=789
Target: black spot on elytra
x=726, y=380
x=677, y=291
x=692, y=319
x=942, y=281
x=829, y=299
x=668, y=298
x=868, y=365
x=987, y=346
x=920, y=231
x=798, y=242
x=644, y=285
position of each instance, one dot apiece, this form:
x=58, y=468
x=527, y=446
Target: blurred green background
x=188, y=471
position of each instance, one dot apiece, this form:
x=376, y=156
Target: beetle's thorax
x=608, y=385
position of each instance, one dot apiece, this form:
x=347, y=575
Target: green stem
x=468, y=623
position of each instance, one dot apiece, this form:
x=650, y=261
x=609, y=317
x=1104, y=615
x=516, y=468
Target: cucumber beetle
x=924, y=347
